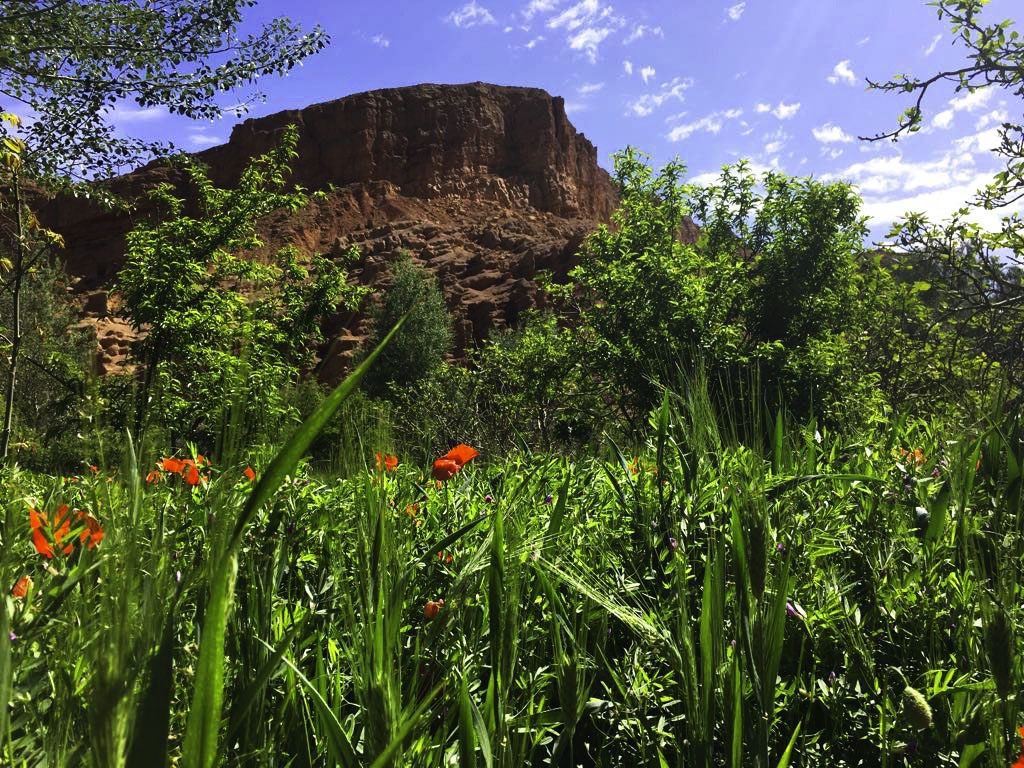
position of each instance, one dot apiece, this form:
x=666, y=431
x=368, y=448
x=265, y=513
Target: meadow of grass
x=793, y=598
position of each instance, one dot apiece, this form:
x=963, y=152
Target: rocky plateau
x=484, y=185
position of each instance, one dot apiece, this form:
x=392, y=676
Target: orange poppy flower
x=432, y=608
x=249, y=474
x=447, y=559
x=191, y=472
x=176, y=466
x=93, y=533
x=22, y=587
x=1020, y=760
x=153, y=477
x=39, y=522
x=386, y=462
x=446, y=467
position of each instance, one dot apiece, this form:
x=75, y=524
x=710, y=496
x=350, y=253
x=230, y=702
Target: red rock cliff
x=483, y=184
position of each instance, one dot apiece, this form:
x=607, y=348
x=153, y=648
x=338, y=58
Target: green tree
x=771, y=282
x=975, y=277
x=216, y=327
x=70, y=62
x=424, y=340
x=28, y=244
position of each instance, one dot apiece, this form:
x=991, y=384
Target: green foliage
x=424, y=340
x=771, y=283
x=218, y=328
x=51, y=411
x=975, y=278
x=73, y=63
x=596, y=627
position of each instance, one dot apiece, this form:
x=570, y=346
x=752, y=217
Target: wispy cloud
x=709, y=123
x=734, y=12
x=588, y=88
x=470, y=15
x=782, y=111
x=123, y=113
x=863, y=41
x=627, y=65
x=775, y=141
x=640, y=30
x=588, y=23
x=539, y=6
x=841, y=72
x=649, y=102
x=203, y=140
x=587, y=40
x=646, y=74
x=380, y=40
x=969, y=102
x=533, y=42
x=831, y=134
x=999, y=116
x=931, y=46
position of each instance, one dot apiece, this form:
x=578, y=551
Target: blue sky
x=781, y=83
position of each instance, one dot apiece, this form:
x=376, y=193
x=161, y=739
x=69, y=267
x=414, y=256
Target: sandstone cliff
x=484, y=184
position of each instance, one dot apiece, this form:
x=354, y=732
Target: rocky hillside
x=483, y=184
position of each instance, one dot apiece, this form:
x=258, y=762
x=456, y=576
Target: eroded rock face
x=485, y=185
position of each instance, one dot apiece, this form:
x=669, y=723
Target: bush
x=418, y=349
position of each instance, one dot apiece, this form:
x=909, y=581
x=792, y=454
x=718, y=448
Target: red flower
x=249, y=474
x=446, y=467
x=92, y=533
x=191, y=473
x=177, y=466
x=1020, y=760
x=41, y=541
x=432, y=608
x=153, y=477
x=22, y=587
x=386, y=462
x=94, y=469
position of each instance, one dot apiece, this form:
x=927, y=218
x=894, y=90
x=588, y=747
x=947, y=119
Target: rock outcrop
x=485, y=185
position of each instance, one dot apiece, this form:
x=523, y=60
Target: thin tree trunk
x=12, y=372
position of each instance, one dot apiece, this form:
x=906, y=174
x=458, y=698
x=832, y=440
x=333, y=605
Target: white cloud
x=783, y=111
x=470, y=15
x=123, y=113
x=710, y=123
x=735, y=11
x=539, y=6
x=776, y=140
x=999, y=116
x=380, y=40
x=202, y=140
x=842, y=72
x=588, y=88
x=572, y=107
x=646, y=74
x=832, y=153
x=862, y=41
x=649, y=102
x=628, y=66
x=970, y=102
x=943, y=119
x=575, y=16
x=587, y=41
x=533, y=43
x=931, y=46
x=640, y=30
x=831, y=134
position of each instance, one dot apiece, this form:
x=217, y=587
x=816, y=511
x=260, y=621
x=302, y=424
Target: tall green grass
x=708, y=596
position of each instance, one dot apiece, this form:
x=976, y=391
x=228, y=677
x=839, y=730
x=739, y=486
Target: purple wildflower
x=672, y=543
x=548, y=499
x=488, y=498
x=12, y=637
